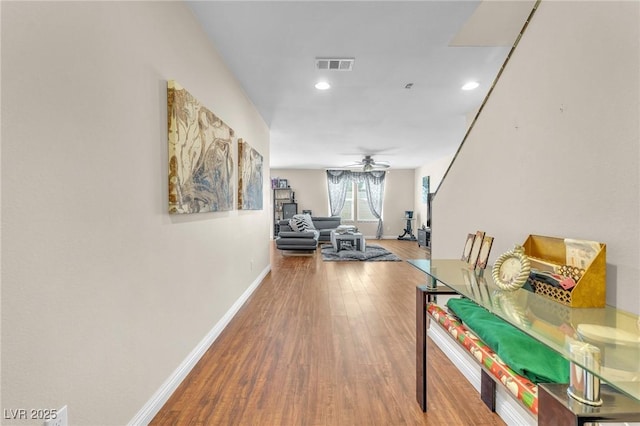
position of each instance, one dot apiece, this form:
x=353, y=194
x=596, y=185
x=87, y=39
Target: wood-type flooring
x=325, y=343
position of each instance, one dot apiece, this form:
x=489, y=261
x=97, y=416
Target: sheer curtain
x=338, y=182
x=374, y=185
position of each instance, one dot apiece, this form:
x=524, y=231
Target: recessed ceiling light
x=322, y=85
x=471, y=85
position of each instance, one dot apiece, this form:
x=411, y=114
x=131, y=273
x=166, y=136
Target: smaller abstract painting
x=249, y=177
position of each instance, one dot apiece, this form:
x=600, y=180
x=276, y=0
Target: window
x=357, y=210
x=347, y=210
x=363, y=211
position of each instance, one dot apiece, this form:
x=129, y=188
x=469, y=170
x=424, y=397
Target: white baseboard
x=506, y=407
x=153, y=406
x=394, y=237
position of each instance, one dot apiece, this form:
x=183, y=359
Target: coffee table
x=354, y=240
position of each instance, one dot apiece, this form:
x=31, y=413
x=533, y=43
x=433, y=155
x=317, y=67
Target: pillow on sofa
x=309, y=221
x=296, y=225
x=301, y=223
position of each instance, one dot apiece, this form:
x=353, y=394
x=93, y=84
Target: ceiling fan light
x=367, y=167
x=470, y=85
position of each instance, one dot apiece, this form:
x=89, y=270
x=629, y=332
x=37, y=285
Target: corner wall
x=435, y=170
x=104, y=294
x=556, y=149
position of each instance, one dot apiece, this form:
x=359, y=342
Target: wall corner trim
x=160, y=397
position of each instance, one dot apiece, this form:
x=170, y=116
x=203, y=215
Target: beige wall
x=310, y=187
x=555, y=151
x=104, y=294
x=435, y=170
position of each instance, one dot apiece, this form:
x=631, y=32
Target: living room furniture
x=288, y=239
x=553, y=324
x=424, y=237
x=323, y=224
x=294, y=240
x=326, y=224
x=354, y=240
x=281, y=196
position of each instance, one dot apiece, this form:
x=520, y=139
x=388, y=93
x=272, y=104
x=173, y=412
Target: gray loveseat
x=288, y=239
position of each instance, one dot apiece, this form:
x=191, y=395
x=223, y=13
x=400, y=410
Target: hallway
x=325, y=343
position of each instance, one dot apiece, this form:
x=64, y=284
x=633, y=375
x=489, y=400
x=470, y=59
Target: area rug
x=372, y=253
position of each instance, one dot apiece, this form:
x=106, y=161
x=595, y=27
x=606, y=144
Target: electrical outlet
x=60, y=420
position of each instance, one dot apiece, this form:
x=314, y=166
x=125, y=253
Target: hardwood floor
x=325, y=343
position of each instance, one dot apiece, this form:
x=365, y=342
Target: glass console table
x=613, y=335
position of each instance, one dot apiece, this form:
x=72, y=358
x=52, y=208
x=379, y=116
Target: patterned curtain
x=338, y=182
x=374, y=185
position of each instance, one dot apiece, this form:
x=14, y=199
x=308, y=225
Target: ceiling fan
x=368, y=163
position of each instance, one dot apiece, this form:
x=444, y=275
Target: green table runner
x=525, y=355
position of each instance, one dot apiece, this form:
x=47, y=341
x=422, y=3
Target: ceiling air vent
x=335, y=64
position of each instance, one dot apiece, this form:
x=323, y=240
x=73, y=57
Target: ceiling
x=271, y=47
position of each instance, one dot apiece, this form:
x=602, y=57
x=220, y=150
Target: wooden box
x=590, y=289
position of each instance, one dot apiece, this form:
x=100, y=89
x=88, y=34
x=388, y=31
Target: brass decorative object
x=590, y=290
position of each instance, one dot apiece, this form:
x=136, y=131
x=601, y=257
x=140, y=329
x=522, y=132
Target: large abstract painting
x=200, y=156
x=249, y=177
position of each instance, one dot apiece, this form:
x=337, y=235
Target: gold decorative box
x=590, y=289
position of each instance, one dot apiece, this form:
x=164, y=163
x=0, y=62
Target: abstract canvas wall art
x=249, y=177
x=200, y=156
